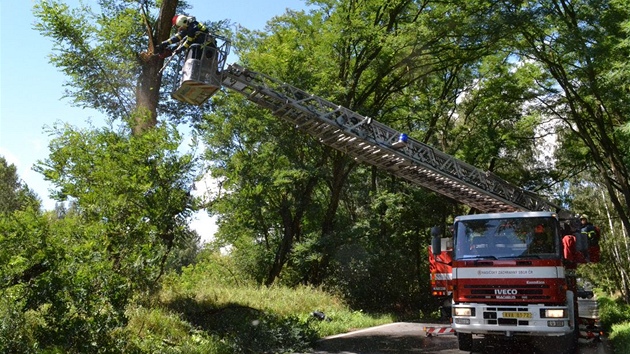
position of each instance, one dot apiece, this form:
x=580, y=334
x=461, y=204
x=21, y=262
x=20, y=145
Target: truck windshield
x=531, y=237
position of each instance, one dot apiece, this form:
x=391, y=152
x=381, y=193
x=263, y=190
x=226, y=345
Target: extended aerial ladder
x=363, y=138
x=372, y=142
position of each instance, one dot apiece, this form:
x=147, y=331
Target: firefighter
x=592, y=234
x=191, y=32
x=571, y=254
x=541, y=242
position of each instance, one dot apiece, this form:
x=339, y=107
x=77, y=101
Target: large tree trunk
x=148, y=88
x=342, y=165
x=292, y=227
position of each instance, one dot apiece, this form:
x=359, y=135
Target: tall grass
x=211, y=308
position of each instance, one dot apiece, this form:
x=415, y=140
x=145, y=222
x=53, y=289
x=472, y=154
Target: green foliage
x=614, y=317
x=212, y=297
x=620, y=337
x=58, y=282
x=14, y=194
x=75, y=275
x=498, y=130
x=96, y=51
x=136, y=188
x=272, y=175
x=612, y=312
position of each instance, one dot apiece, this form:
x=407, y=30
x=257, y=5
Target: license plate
x=517, y=315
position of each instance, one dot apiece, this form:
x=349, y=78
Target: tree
x=14, y=194
x=578, y=44
x=136, y=187
x=370, y=57
x=107, y=56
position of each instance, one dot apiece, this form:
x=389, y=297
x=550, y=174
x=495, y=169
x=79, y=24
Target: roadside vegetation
x=614, y=315
x=219, y=307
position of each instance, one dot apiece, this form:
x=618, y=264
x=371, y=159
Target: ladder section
x=379, y=145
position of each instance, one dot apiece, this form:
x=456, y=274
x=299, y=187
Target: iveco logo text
x=505, y=291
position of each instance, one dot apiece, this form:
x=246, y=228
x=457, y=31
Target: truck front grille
x=506, y=292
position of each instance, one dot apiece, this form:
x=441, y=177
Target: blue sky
x=31, y=89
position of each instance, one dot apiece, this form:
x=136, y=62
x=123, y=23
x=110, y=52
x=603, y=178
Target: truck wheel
x=465, y=341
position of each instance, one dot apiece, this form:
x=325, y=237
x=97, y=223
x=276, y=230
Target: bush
x=620, y=338
x=615, y=319
x=612, y=312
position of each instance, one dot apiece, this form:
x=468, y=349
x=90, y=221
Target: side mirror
x=436, y=245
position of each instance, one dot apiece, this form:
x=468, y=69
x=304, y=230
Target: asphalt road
x=401, y=337
x=408, y=337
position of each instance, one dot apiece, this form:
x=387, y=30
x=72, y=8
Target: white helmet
x=181, y=20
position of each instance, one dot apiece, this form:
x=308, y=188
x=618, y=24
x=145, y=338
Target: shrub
x=15, y=330
x=620, y=338
x=612, y=312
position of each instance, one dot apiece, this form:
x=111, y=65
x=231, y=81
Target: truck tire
x=465, y=341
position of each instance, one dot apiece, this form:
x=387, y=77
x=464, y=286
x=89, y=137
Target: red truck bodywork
x=441, y=271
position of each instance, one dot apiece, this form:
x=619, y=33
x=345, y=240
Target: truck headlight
x=554, y=313
x=464, y=311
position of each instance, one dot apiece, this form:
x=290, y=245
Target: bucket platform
x=202, y=71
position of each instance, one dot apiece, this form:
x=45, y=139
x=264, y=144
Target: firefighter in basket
x=189, y=32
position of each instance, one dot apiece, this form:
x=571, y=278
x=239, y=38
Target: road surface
x=407, y=337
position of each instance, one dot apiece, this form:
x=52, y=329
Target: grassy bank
x=615, y=320
x=210, y=309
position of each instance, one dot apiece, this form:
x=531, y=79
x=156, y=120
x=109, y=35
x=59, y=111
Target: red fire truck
x=513, y=274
